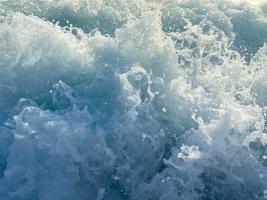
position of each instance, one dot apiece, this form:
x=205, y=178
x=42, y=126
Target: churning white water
x=133, y=99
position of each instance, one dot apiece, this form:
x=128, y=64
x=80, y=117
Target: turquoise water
x=133, y=99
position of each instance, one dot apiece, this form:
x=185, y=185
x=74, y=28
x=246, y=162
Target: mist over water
x=133, y=99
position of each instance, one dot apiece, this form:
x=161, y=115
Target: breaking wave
x=133, y=99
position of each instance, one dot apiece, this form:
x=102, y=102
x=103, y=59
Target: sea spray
x=132, y=100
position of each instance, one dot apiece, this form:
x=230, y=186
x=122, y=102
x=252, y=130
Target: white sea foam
x=132, y=100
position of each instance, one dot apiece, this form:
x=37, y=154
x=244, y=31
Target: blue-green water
x=133, y=99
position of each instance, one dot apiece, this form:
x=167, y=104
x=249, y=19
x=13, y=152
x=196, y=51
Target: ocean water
x=133, y=100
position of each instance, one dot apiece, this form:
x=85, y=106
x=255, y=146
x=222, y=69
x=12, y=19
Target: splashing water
x=133, y=99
